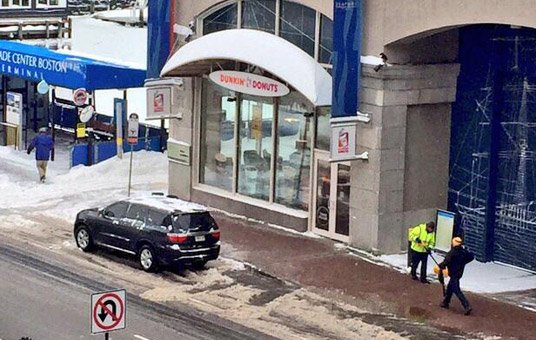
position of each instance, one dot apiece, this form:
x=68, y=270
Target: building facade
x=452, y=121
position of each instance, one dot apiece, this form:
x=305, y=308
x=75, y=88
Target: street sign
x=133, y=128
x=79, y=97
x=108, y=311
x=86, y=113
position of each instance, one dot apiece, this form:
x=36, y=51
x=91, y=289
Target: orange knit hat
x=456, y=241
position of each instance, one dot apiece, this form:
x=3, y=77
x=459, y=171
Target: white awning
x=264, y=50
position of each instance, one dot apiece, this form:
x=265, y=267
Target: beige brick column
x=379, y=199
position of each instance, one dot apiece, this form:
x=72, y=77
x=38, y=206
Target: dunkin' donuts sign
x=249, y=83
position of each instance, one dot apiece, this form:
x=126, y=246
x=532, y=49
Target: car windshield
x=183, y=223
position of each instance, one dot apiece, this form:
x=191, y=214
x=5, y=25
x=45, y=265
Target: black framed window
x=222, y=19
x=259, y=15
x=298, y=26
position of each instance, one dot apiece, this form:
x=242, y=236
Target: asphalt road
x=41, y=299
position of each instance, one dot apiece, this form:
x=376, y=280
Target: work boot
x=413, y=277
x=425, y=281
x=444, y=305
x=468, y=310
x=42, y=179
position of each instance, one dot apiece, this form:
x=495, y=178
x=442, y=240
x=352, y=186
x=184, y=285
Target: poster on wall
x=444, y=229
x=14, y=108
x=159, y=103
x=343, y=141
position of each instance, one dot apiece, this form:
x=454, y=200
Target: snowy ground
x=42, y=215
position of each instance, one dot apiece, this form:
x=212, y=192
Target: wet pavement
x=319, y=264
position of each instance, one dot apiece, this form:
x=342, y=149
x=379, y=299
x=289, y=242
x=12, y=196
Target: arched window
x=299, y=24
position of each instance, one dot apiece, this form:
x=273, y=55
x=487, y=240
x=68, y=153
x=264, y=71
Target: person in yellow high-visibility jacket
x=422, y=238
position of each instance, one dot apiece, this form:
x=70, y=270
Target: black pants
x=454, y=288
x=416, y=258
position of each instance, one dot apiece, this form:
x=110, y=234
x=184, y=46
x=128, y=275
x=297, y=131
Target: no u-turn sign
x=108, y=311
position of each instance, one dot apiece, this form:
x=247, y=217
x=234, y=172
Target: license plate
x=199, y=238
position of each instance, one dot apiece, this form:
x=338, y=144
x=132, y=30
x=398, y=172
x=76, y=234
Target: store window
x=259, y=15
x=323, y=128
x=298, y=26
x=217, y=136
x=293, y=151
x=297, y=23
x=222, y=19
x=256, y=120
x=326, y=40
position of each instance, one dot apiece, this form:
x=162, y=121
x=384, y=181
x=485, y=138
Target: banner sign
x=249, y=83
x=347, y=20
x=37, y=68
x=159, y=35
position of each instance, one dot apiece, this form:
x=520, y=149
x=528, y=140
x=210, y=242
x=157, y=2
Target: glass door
x=331, y=198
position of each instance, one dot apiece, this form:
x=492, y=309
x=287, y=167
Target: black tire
x=83, y=238
x=148, y=259
x=199, y=265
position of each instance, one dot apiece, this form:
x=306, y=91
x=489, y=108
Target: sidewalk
x=317, y=263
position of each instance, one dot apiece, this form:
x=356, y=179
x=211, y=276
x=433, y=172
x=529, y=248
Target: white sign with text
x=249, y=83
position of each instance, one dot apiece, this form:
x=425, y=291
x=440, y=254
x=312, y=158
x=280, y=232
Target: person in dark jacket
x=455, y=262
x=43, y=145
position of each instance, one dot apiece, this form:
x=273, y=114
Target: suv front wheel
x=83, y=239
x=148, y=259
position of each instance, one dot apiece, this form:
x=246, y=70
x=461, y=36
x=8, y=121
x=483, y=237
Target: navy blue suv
x=158, y=230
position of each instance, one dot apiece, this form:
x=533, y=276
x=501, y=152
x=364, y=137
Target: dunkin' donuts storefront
x=249, y=131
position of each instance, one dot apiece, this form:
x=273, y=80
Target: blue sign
x=347, y=19
x=38, y=63
x=158, y=30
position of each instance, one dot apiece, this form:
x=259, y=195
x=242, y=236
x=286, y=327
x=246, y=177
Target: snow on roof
x=168, y=204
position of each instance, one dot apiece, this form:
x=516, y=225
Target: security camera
x=191, y=25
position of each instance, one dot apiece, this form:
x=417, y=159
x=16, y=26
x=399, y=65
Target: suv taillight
x=176, y=238
x=216, y=234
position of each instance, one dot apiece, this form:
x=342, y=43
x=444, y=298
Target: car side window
x=156, y=218
x=116, y=210
x=136, y=215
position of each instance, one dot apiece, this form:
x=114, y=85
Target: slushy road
x=41, y=299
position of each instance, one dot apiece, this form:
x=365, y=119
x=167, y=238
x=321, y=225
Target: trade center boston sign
x=249, y=83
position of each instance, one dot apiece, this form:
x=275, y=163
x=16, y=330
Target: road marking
x=136, y=336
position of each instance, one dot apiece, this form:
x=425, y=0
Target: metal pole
x=106, y=336
x=130, y=171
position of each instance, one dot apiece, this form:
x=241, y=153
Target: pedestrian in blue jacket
x=43, y=145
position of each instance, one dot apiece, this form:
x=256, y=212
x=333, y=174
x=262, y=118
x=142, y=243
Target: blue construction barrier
x=101, y=151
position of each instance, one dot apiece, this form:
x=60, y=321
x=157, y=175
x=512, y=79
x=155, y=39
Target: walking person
x=422, y=239
x=43, y=145
x=455, y=262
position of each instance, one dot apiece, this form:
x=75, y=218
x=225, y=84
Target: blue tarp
x=69, y=71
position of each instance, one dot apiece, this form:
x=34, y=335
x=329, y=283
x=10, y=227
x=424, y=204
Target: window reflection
x=217, y=132
x=326, y=40
x=294, y=151
x=255, y=146
x=323, y=129
x=222, y=19
x=259, y=15
x=298, y=26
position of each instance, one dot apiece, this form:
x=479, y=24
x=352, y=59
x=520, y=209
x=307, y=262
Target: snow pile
x=478, y=277
x=69, y=191
x=122, y=15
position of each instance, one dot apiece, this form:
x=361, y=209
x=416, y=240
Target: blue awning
x=69, y=71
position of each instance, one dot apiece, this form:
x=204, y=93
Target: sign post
x=133, y=131
x=119, y=115
x=108, y=312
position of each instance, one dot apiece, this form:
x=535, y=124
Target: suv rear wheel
x=148, y=259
